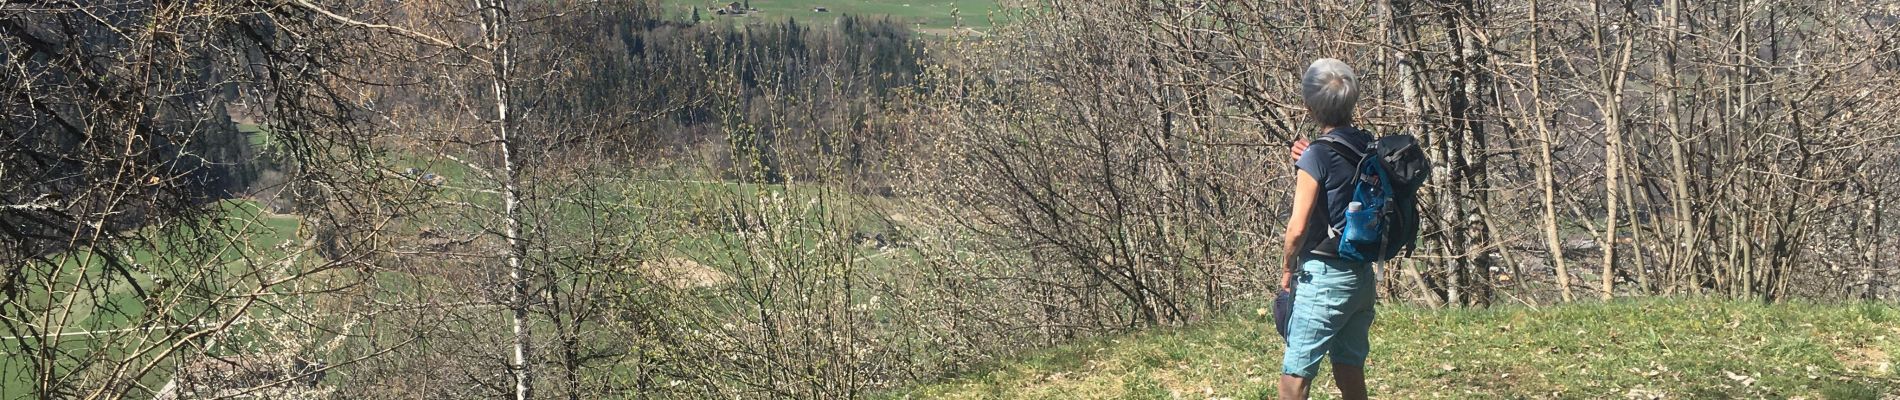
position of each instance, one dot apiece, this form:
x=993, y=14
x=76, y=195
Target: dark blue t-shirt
x=1334, y=174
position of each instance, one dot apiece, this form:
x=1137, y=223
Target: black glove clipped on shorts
x=1283, y=310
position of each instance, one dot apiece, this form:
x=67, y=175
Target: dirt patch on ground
x=1867, y=360
x=681, y=273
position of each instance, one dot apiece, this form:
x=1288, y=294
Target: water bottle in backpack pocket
x=1362, y=233
x=1362, y=224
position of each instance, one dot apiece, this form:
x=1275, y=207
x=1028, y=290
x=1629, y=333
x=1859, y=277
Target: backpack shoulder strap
x=1351, y=153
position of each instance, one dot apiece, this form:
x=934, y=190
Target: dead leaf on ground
x=1745, y=380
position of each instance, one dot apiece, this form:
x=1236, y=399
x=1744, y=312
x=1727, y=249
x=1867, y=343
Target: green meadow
x=1640, y=348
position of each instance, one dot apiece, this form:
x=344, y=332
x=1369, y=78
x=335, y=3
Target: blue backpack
x=1382, y=219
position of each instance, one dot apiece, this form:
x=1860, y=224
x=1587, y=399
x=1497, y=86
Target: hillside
x=844, y=199
x=1656, y=348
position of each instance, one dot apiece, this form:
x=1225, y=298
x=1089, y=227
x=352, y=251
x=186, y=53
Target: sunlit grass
x=1668, y=347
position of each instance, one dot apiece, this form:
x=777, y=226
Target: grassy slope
x=115, y=306
x=1673, y=348
x=672, y=202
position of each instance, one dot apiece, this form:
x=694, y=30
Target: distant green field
x=935, y=16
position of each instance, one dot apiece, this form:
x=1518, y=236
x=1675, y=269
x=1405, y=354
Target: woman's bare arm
x=1305, y=192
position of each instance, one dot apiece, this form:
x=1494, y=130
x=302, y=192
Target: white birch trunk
x=494, y=25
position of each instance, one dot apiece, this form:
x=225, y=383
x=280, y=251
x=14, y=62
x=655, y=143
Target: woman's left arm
x=1305, y=192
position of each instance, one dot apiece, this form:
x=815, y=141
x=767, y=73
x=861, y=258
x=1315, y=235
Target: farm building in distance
x=733, y=8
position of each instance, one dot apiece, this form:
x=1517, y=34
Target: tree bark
x=1683, y=256
x=1613, y=77
x=495, y=29
x=1546, y=172
x=1403, y=31
x=1870, y=280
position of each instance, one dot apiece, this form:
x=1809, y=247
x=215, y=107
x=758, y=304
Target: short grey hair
x=1330, y=90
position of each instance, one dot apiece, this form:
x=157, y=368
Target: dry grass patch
x=681, y=273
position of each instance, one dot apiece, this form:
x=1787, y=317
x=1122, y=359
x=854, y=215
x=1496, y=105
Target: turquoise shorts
x=1332, y=314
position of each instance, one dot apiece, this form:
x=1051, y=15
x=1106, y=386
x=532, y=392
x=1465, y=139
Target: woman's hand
x=1299, y=147
x=1286, y=281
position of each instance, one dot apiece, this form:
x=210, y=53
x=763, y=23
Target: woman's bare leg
x=1294, y=388
x=1351, y=381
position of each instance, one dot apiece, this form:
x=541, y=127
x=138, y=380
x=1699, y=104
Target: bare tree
x=150, y=152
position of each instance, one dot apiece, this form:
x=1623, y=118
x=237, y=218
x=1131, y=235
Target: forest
x=627, y=199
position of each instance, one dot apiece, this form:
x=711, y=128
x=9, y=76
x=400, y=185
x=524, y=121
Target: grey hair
x=1331, y=90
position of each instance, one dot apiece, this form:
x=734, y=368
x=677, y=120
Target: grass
x=261, y=232
x=1646, y=348
x=929, y=15
x=102, y=302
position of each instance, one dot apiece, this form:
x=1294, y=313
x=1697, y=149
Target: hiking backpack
x=1382, y=219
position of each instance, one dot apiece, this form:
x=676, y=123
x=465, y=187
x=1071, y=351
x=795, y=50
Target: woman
x=1333, y=308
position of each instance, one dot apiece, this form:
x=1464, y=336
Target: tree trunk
x=1613, y=77
x=1474, y=188
x=494, y=26
x=1403, y=31
x=1682, y=218
x=1546, y=173
x=1639, y=265
x=1870, y=280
